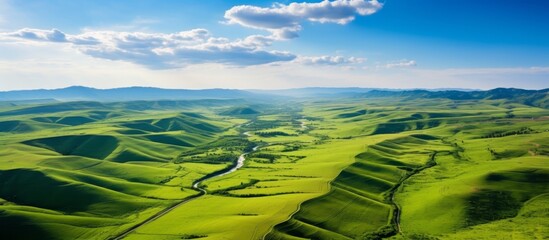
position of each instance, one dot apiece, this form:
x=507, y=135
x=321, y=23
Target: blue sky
x=284, y=44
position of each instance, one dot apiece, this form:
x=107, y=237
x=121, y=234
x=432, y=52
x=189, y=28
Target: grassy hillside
x=82, y=170
x=438, y=173
x=470, y=166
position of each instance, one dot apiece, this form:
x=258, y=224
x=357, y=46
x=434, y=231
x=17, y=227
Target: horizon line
x=276, y=89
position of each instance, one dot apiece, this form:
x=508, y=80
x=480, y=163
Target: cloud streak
x=53, y=35
x=175, y=50
x=329, y=60
x=159, y=50
x=401, y=64
x=284, y=21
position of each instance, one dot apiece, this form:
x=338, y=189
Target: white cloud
x=159, y=50
x=198, y=46
x=54, y=65
x=328, y=60
x=53, y=35
x=283, y=21
x=401, y=64
x=176, y=50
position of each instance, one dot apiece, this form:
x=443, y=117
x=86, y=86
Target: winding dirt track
x=195, y=186
x=158, y=215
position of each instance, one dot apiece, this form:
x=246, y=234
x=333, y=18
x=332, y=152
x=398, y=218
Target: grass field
x=345, y=168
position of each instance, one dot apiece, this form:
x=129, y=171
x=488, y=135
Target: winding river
x=239, y=164
x=196, y=185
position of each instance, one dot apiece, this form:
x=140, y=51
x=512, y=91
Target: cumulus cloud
x=159, y=50
x=53, y=35
x=401, y=64
x=283, y=21
x=328, y=60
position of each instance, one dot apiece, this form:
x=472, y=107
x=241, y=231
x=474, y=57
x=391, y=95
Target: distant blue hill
x=539, y=98
x=340, y=92
x=78, y=93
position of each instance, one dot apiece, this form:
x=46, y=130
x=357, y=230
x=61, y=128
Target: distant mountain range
x=325, y=91
x=538, y=98
x=78, y=93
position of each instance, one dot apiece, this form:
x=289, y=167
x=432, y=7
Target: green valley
x=377, y=165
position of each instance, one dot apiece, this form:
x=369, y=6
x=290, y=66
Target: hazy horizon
x=252, y=89
x=274, y=89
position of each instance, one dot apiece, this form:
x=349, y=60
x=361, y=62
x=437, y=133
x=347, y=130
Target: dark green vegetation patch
x=92, y=146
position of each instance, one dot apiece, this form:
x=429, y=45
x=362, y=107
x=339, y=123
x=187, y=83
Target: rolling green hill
x=369, y=165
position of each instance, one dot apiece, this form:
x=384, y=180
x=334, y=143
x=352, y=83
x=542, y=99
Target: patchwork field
x=345, y=168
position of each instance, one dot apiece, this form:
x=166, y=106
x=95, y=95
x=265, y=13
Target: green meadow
x=334, y=168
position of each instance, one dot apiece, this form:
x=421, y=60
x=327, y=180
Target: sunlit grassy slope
x=454, y=170
x=352, y=168
x=89, y=170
